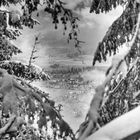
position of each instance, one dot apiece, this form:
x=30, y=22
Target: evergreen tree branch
x=120, y=32
x=8, y=125
x=95, y=105
x=121, y=128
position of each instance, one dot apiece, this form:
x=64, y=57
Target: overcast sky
x=53, y=45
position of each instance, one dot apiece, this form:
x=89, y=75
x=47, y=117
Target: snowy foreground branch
x=123, y=126
x=120, y=128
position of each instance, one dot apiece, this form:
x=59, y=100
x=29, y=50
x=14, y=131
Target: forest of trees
x=22, y=105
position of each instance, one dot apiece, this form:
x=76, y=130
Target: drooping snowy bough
x=106, y=118
x=28, y=113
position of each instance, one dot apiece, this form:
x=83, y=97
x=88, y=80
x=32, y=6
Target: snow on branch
x=120, y=128
x=4, y=129
x=93, y=114
x=100, y=6
x=120, y=32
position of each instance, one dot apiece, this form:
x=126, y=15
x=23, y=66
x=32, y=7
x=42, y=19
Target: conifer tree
x=123, y=94
x=21, y=105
